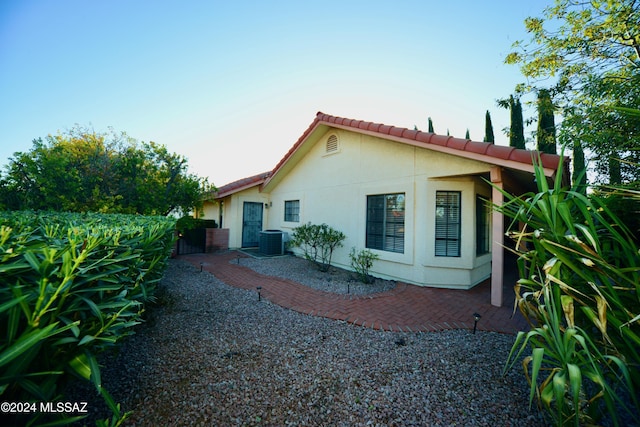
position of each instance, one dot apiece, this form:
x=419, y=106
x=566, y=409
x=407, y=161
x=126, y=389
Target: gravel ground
x=336, y=280
x=213, y=355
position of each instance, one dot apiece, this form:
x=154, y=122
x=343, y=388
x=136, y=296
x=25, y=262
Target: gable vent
x=332, y=144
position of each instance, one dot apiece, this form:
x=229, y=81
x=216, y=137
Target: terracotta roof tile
x=410, y=133
x=500, y=151
x=440, y=139
x=549, y=160
x=457, y=143
x=374, y=127
x=424, y=137
x=384, y=129
x=477, y=147
x=241, y=184
x=520, y=156
x=396, y=131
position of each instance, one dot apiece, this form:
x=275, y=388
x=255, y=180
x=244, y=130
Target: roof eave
x=274, y=176
x=511, y=164
x=237, y=190
x=503, y=156
x=241, y=185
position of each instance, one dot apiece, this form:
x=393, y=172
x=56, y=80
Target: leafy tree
x=546, y=134
x=430, y=126
x=100, y=172
x=591, y=52
x=488, y=129
x=579, y=177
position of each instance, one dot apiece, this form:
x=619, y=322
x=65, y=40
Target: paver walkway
x=405, y=308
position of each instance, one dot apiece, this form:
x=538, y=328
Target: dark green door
x=251, y=224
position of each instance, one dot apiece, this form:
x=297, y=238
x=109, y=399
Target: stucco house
x=416, y=199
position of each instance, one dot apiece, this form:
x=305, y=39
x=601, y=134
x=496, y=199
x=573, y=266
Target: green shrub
x=317, y=243
x=189, y=223
x=72, y=286
x=579, y=288
x=361, y=262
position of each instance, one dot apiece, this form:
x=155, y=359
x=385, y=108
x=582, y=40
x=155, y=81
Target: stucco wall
x=210, y=210
x=333, y=188
x=232, y=212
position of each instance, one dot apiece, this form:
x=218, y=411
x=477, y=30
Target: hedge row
x=71, y=285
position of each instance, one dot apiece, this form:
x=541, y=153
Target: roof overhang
x=241, y=185
x=498, y=155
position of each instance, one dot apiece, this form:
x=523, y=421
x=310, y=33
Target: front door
x=251, y=224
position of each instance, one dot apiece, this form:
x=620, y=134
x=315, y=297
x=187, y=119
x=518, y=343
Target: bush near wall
x=71, y=286
x=317, y=242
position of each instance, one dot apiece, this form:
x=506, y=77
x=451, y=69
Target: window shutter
x=385, y=222
x=447, y=223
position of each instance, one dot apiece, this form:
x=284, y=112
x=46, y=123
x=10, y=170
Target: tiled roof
x=241, y=184
x=482, y=151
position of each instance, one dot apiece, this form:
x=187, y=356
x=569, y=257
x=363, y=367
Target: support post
x=497, y=234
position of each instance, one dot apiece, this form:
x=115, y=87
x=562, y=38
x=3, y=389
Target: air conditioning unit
x=271, y=242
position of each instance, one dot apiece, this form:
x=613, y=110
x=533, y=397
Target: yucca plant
x=71, y=286
x=579, y=288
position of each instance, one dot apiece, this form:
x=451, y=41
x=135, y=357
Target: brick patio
x=406, y=308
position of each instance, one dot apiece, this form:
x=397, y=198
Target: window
x=448, y=223
x=483, y=225
x=332, y=144
x=385, y=222
x=292, y=210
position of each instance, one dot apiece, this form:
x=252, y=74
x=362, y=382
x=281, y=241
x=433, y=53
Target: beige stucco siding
x=233, y=211
x=333, y=189
x=210, y=210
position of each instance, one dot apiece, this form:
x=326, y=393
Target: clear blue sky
x=231, y=85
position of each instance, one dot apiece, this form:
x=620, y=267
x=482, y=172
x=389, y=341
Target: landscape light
x=259, y=288
x=476, y=317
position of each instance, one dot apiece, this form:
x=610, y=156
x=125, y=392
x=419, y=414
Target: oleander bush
x=317, y=242
x=71, y=286
x=361, y=262
x=579, y=288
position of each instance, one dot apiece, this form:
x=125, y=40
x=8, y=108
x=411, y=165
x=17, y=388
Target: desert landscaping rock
x=210, y=354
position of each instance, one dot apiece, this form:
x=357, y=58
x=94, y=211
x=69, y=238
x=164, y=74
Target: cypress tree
x=466, y=135
x=431, y=126
x=546, y=134
x=516, y=133
x=488, y=129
